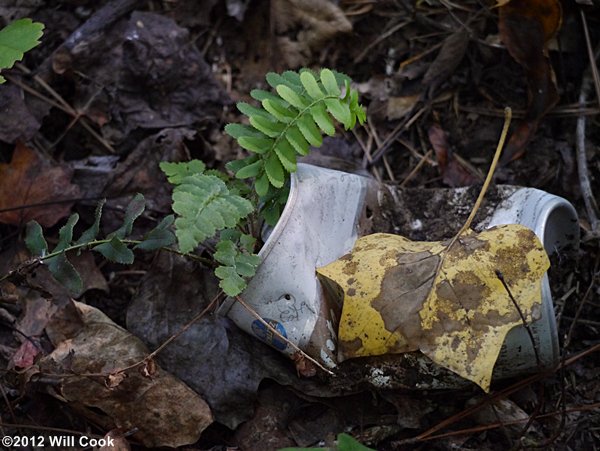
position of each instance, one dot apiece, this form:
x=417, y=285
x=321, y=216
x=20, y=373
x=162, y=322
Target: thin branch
x=490, y=174
x=589, y=199
x=278, y=334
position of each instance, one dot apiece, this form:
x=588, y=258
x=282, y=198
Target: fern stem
x=38, y=260
x=300, y=114
x=82, y=245
x=207, y=261
x=294, y=121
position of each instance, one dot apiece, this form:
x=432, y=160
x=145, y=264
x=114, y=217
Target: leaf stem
x=490, y=174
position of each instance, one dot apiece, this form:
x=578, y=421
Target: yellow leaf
x=442, y=298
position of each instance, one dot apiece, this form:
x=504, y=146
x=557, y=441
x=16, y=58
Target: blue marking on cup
x=266, y=335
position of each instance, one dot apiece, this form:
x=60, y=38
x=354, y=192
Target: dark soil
x=144, y=82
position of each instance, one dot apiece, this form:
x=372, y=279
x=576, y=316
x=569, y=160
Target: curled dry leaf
x=398, y=107
x=164, y=410
x=444, y=300
x=525, y=28
x=27, y=180
x=113, y=380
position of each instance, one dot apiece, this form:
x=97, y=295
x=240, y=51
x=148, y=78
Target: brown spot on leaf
x=349, y=348
x=350, y=268
x=404, y=289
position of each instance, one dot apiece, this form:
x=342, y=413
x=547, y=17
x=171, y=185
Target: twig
x=488, y=179
x=589, y=200
x=154, y=353
x=538, y=361
x=278, y=334
x=380, y=38
x=416, y=169
x=51, y=202
x=501, y=394
x=36, y=427
x=487, y=427
x=60, y=103
x=387, y=142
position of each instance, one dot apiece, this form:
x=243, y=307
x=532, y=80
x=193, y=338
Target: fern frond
x=205, y=205
x=176, y=172
x=115, y=247
x=236, y=263
x=303, y=107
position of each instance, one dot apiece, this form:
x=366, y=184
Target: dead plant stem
x=278, y=335
x=490, y=175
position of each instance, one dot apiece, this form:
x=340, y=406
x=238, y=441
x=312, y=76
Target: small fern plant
x=116, y=246
x=294, y=117
x=216, y=210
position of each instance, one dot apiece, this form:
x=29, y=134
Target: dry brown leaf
x=165, y=411
x=398, y=107
x=318, y=20
x=116, y=440
x=22, y=122
x=25, y=355
x=451, y=54
x=525, y=28
x=453, y=173
x=91, y=276
x=27, y=180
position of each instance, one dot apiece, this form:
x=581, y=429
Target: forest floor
x=118, y=86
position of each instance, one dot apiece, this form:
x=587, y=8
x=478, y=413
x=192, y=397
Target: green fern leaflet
x=116, y=247
x=294, y=117
x=17, y=38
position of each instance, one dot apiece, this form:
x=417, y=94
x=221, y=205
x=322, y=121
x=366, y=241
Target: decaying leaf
x=28, y=180
x=116, y=440
x=165, y=411
x=525, y=28
x=452, y=171
x=220, y=362
x=313, y=22
x=23, y=121
x=398, y=107
x=440, y=298
x=451, y=54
